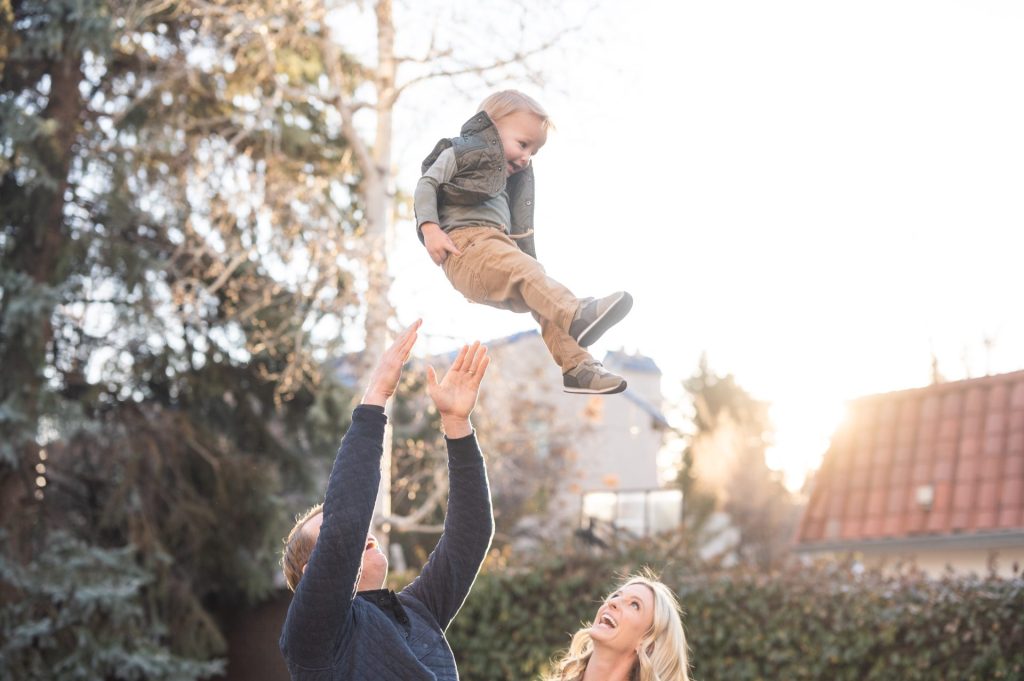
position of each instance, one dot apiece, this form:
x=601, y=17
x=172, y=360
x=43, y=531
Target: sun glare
x=803, y=430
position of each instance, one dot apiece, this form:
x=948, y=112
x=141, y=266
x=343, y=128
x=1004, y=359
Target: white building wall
x=935, y=562
x=616, y=441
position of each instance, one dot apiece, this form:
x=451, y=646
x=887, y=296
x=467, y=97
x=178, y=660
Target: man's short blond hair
x=507, y=102
x=298, y=547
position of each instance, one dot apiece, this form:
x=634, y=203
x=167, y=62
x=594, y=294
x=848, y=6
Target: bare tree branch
x=364, y=159
x=436, y=497
x=229, y=269
x=486, y=69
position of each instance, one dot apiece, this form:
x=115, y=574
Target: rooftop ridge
x=945, y=386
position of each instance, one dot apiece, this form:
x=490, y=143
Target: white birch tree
x=375, y=86
x=372, y=58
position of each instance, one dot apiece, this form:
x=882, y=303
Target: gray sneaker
x=591, y=377
x=594, y=317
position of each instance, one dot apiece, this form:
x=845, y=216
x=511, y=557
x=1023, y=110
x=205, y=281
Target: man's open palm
x=455, y=395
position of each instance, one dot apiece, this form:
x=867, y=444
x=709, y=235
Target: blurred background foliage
x=822, y=621
x=181, y=251
x=183, y=233
x=166, y=304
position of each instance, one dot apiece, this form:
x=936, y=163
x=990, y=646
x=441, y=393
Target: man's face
x=522, y=136
x=375, y=563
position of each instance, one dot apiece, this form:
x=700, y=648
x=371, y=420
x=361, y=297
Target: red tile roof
x=937, y=461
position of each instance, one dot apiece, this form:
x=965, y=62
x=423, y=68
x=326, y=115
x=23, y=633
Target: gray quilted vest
x=480, y=175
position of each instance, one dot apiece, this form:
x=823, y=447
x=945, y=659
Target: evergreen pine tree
x=175, y=213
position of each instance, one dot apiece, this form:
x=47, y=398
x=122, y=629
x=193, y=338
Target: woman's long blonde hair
x=662, y=655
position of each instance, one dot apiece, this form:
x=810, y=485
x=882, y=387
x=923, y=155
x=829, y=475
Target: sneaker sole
x=593, y=391
x=612, y=316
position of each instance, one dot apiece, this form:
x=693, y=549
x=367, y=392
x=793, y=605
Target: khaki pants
x=492, y=270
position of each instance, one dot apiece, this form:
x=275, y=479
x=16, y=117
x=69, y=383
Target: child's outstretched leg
x=581, y=373
x=494, y=271
x=595, y=316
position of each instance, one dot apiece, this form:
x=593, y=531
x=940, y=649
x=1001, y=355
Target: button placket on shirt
x=398, y=609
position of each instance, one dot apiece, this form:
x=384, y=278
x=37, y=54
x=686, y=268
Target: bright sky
x=819, y=194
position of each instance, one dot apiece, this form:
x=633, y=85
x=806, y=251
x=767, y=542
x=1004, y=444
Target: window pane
x=665, y=509
x=631, y=512
x=599, y=505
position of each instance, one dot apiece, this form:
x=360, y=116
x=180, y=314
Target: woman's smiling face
x=624, y=618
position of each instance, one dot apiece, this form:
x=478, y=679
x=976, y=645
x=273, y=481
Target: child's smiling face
x=522, y=136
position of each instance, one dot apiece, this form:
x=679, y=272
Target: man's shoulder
x=409, y=599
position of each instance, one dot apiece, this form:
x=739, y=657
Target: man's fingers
x=470, y=363
x=452, y=248
x=471, y=360
x=431, y=377
x=479, y=352
x=481, y=369
x=406, y=340
x=410, y=334
x=457, y=364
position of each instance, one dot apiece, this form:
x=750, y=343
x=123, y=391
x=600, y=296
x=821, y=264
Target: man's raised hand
x=455, y=395
x=384, y=380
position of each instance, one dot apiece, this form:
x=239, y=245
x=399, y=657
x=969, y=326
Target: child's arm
x=438, y=243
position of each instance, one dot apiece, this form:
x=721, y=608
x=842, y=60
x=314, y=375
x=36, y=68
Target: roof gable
x=943, y=460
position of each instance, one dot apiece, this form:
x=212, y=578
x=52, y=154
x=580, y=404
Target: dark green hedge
x=824, y=622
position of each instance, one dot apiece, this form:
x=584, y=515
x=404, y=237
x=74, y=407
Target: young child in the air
x=474, y=213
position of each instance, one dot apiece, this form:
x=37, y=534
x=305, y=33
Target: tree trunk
x=379, y=236
x=39, y=239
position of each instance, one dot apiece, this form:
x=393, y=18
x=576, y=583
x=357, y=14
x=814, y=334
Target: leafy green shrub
x=822, y=622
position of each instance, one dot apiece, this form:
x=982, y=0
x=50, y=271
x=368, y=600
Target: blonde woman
x=637, y=635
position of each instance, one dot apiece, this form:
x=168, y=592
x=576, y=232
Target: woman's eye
x=635, y=606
